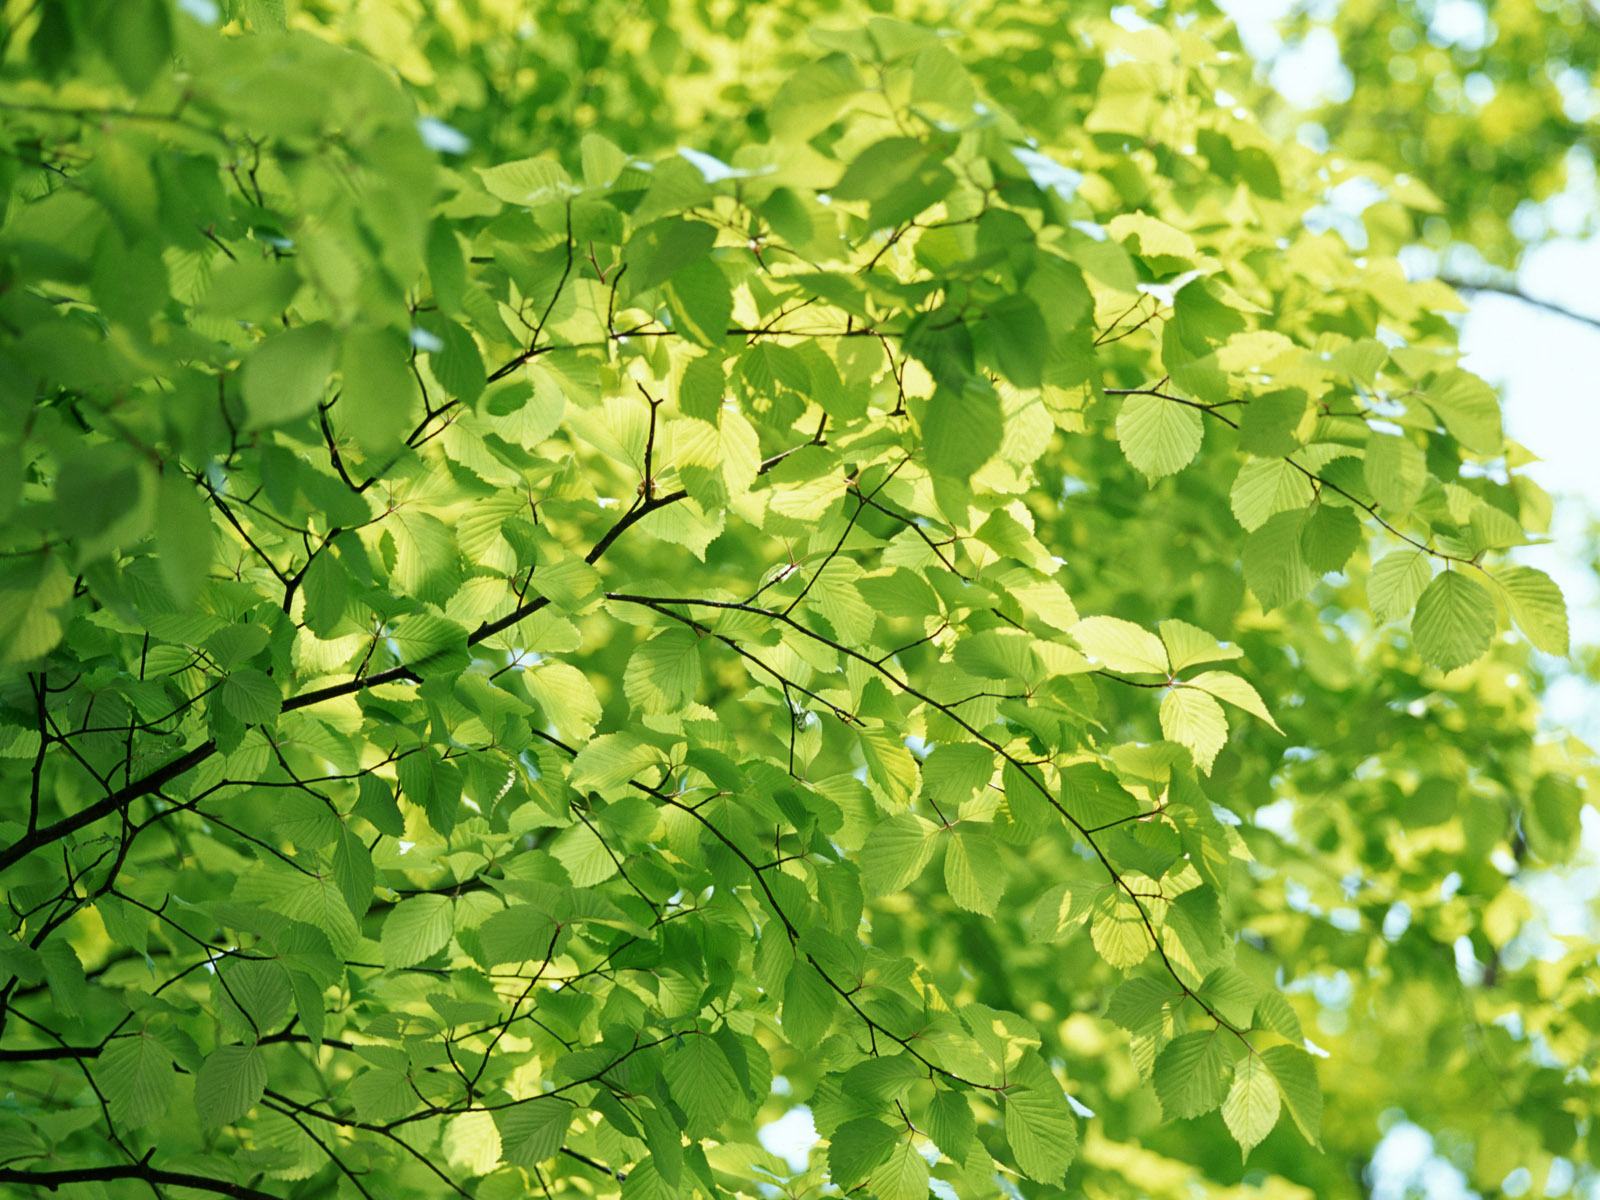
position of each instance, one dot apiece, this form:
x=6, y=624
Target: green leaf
x=1469, y=409
x=1140, y=1002
x=287, y=375
x=904, y=1176
x=808, y=1005
x=1118, y=931
x=1270, y=424
x=662, y=673
x=896, y=852
x=183, y=537
x=1235, y=691
x=1121, y=645
x=1330, y=537
x=973, y=872
x=1191, y=1073
x=520, y=933
x=1396, y=582
x=229, y=1084
x=381, y=1095
x=962, y=430
x=1039, y=1125
x=1187, y=645
x=1454, y=621
x=700, y=302
x=1251, y=1109
x=471, y=1143
x=417, y=928
x=857, y=1148
x=32, y=593
x=1536, y=605
x=702, y=1083
x=138, y=41
x=1192, y=718
x=584, y=855
x=1266, y=486
x=1395, y=470
x=1018, y=337
x=532, y=1133
x=251, y=289
x=610, y=760
x=251, y=696
x=137, y=1077
x=430, y=645
x=1274, y=1012
x=526, y=182
x=1296, y=1075
x=1274, y=564
x=660, y=250
x=900, y=176
x=377, y=391
x=951, y=1124
x=1159, y=437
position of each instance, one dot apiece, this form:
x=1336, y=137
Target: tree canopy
x=578, y=578
x=1493, y=102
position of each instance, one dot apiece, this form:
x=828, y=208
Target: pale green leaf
x=532, y=1133
x=1118, y=931
x=1038, y=1121
x=1395, y=470
x=1236, y=691
x=702, y=1083
x=973, y=871
x=662, y=673
x=527, y=181
x=417, y=928
x=1159, y=437
x=1536, y=605
x=1267, y=486
x=896, y=852
x=1297, y=1082
x=1396, y=582
x=1192, y=718
x=1191, y=1073
x=903, y=1176
x=287, y=376
x=1121, y=645
x=1469, y=409
x=1188, y=645
x=1252, y=1106
x=1454, y=621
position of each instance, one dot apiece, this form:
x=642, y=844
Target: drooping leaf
x=1251, y=1109
x=417, y=928
x=229, y=1083
x=1159, y=437
x=1454, y=620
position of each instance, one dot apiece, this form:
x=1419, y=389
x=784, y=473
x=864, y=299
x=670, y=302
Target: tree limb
x=52, y=1180
x=1515, y=293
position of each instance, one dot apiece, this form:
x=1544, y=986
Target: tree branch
x=52, y=1180
x=1513, y=292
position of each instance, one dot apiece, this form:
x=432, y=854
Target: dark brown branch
x=53, y=1180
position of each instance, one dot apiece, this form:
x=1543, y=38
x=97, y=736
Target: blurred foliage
x=565, y=563
x=1492, y=103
